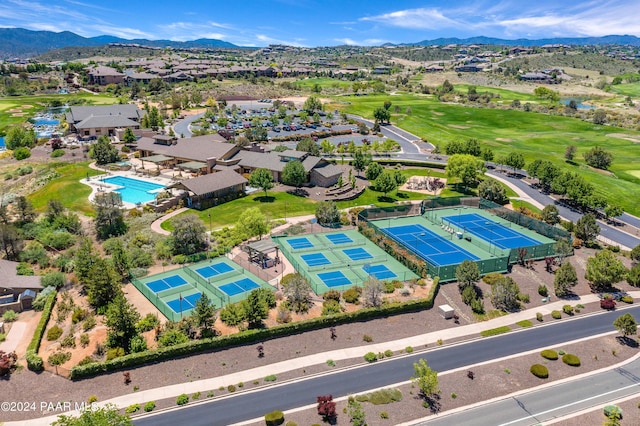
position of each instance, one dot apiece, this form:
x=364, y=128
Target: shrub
x=92, y=399
x=495, y=331
x=608, y=303
x=10, y=316
x=491, y=278
x=384, y=415
x=543, y=290
x=132, y=408
x=291, y=423
x=270, y=378
x=34, y=362
x=274, y=418
x=556, y=314
x=567, y=309
x=57, y=153
x=549, y=354
x=331, y=363
x=21, y=153
x=86, y=360
x=370, y=357
x=539, y=316
x=331, y=307
x=114, y=353
x=195, y=396
x=389, y=287
x=69, y=341
x=231, y=388
x=149, y=322
x=351, y=295
x=367, y=338
x=408, y=349
x=524, y=298
x=149, y=406
x=78, y=315
x=571, y=360
x=626, y=299
x=525, y=323
x=539, y=371
x=332, y=295
x=384, y=396
x=53, y=333
x=388, y=353
x=613, y=412
x=182, y=399
x=89, y=323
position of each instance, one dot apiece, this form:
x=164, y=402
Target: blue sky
x=325, y=23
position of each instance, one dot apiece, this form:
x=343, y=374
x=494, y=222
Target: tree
x=515, y=160
x=426, y=380
x=233, y=314
x=308, y=145
x=626, y=324
x=356, y=413
x=372, y=292
x=18, y=137
x=252, y=222
x=129, y=136
x=613, y=210
x=562, y=249
x=599, y=116
x=504, y=294
x=103, y=152
x=327, y=408
x=327, y=147
x=486, y=154
x=122, y=318
x=297, y=291
x=447, y=87
x=189, y=235
x=544, y=170
x=467, y=274
x=570, y=152
x=373, y=171
x=327, y=213
x=54, y=209
x=464, y=167
x=84, y=259
x=399, y=178
x=24, y=210
x=635, y=253
x=550, y=214
x=360, y=160
x=120, y=258
x=565, y=279
x=385, y=183
x=387, y=104
x=10, y=241
x=312, y=104
x=293, y=174
x=109, y=219
x=586, y=228
x=96, y=416
x=633, y=276
x=598, y=158
x=604, y=270
x=381, y=115
x=102, y=283
x=491, y=190
x=255, y=308
x=204, y=313
x=261, y=178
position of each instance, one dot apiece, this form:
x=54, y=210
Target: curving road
x=182, y=127
x=255, y=404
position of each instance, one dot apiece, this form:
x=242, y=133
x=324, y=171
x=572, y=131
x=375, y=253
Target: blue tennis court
x=187, y=303
x=339, y=238
x=490, y=231
x=166, y=283
x=299, y=243
x=428, y=245
x=315, y=259
x=237, y=287
x=213, y=270
x=357, y=253
x=334, y=279
x=381, y=272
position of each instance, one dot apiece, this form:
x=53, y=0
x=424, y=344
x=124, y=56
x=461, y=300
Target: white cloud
x=346, y=41
x=422, y=18
x=122, y=32
x=366, y=42
x=269, y=40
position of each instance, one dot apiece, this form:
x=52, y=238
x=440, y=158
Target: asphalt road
x=182, y=127
x=537, y=407
x=291, y=395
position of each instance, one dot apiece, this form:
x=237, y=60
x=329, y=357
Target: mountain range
x=22, y=43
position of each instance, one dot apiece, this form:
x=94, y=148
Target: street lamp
x=209, y=214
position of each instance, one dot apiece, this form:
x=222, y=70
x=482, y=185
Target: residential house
x=105, y=75
x=17, y=292
x=90, y=122
x=212, y=189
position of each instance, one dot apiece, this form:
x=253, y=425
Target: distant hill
x=574, y=41
x=21, y=43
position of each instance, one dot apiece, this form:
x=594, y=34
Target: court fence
x=206, y=285
x=405, y=255
x=153, y=298
x=401, y=210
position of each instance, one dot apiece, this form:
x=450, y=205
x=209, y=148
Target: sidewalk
x=13, y=337
x=471, y=331
x=155, y=226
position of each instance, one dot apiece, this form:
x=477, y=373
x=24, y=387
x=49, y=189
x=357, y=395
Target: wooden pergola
x=259, y=253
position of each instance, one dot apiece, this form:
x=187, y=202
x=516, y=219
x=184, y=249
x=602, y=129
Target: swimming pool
x=134, y=190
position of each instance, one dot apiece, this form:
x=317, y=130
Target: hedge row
x=34, y=362
x=251, y=336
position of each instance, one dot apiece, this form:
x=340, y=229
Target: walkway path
x=469, y=331
x=155, y=226
x=13, y=337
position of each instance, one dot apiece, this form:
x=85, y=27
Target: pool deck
x=98, y=186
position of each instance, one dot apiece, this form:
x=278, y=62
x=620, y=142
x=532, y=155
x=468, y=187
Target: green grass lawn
x=324, y=82
x=627, y=89
x=536, y=136
x=66, y=188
